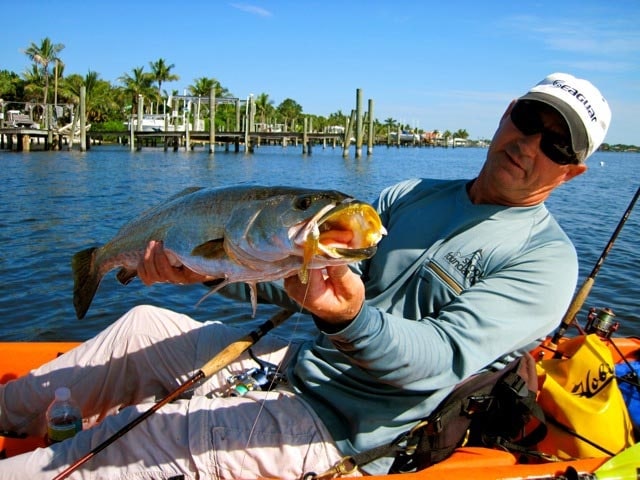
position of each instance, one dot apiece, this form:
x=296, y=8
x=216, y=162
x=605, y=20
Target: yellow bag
x=580, y=392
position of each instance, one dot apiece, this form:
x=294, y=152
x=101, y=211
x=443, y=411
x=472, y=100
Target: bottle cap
x=63, y=394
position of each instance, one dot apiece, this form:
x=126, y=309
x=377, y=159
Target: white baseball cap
x=581, y=104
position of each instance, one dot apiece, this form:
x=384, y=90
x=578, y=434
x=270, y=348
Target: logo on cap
x=579, y=96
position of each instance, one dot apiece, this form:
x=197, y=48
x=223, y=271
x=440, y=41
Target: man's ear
x=574, y=171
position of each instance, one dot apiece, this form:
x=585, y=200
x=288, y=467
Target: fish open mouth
x=349, y=230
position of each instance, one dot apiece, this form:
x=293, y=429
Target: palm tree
x=461, y=133
x=264, y=106
x=34, y=82
x=202, y=86
x=337, y=118
x=161, y=72
x=44, y=55
x=140, y=83
x=101, y=104
x=390, y=123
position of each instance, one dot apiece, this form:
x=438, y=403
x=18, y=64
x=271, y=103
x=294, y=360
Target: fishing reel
x=601, y=322
x=263, y=377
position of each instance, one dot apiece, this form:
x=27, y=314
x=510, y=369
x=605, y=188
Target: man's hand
x=156, y=267
x=336, y=297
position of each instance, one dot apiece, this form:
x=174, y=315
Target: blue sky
x=433, y=65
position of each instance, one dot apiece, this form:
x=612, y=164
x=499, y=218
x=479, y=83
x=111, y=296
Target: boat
x=479, y=463
x=156, y=123
x=405, y=137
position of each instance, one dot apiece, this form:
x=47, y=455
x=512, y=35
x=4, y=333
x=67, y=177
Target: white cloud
x=617, y=39
x=254, y=10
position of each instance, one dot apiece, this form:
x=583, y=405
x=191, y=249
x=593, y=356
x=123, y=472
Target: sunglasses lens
x=526, y=119
x=526, y=116
x=557, y=152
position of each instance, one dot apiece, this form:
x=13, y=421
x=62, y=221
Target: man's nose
x=530, y=144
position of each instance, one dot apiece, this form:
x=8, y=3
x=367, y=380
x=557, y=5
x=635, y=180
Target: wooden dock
x=24, y=138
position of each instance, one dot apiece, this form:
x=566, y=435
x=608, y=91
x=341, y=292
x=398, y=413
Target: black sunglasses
x=526, y=115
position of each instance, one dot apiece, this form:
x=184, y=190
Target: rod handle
x=577, y=303
x=237, y=348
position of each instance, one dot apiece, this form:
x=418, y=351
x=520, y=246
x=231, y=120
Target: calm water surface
x=53, y=204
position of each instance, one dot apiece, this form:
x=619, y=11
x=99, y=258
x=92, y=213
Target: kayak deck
x=479, y=463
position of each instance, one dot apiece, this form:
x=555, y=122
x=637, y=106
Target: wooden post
x=212, y=120
x=174, y=114
x=24, y=143
x=246, y=126
x=186, y=128
x=305, y=136
x=238, y=112
x=165, y=139
x=249, y=124
x=132, y=137
x=49, y=140
x=347, y=134
x=83, y=116
x=358, y=123
x=371, y=129
x=140, y=112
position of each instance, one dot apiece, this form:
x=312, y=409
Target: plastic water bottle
x=64, y=418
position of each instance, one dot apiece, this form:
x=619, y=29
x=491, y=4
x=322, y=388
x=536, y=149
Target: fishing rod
x=217, y=363
x=582, y=294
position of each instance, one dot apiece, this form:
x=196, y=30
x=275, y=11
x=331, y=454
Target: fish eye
x=303, y=202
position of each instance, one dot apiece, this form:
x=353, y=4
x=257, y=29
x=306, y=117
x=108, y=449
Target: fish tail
x=85, y=280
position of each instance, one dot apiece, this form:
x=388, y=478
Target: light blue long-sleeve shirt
x=491, y=281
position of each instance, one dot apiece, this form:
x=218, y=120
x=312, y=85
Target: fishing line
x=278, y=370
x=582, y=294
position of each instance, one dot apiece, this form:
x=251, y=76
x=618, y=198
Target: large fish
x=237, y=234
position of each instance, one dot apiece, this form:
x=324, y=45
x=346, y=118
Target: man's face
x=517, y=171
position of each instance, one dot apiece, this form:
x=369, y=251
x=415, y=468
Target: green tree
x=264, y=107
x=100, y=97
x=33, y=88
x=138, y=83
x=289, y=110
x=44, y=56
x=390, y=123
x=161, y=72
x=11, y=86
x=337, y=119
x=202, y=86
x=461, y=133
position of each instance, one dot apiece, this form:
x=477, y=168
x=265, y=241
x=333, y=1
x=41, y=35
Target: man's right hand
x=156, y=267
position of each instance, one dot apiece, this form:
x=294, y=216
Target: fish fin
x=85, y=280
x=222, y=283
x=210, y=249
x=182, y=193
x=125, y=275
x=253, y=294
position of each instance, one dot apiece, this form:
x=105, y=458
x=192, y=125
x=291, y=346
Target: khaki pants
x=136, y=361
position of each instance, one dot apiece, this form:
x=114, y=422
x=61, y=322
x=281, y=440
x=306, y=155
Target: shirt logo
x=467, y=265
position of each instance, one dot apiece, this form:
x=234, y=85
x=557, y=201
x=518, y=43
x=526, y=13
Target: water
x=53, y=204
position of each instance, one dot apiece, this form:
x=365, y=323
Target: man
x=472, y=273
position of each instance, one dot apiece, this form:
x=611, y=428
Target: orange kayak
x=18, y=358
